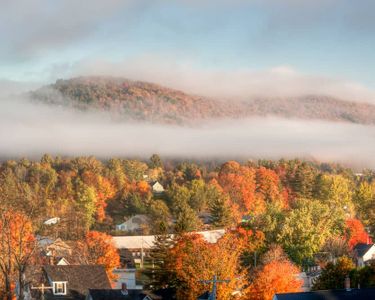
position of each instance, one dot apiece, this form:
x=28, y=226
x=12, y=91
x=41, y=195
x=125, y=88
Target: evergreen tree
x=220, y=212
x=159, y=276
x=186, y=219
x=155, y=162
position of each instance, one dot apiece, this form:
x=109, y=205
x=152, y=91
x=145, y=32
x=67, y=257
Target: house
x=157, y=188
x=141, y=245
x=57, y=252
x=120, y=294
x=64, y=281
x=135, y=243
x=347, y=294
x=134, y=224
x=364, y=253
x=126, y=273
x=52, y=221
x=58, y=248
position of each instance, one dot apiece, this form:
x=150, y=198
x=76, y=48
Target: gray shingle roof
x=79, y=278
x=354, y=294
x=361, y=249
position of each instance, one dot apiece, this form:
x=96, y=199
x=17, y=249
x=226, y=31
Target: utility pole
x=42, y=289
x=142, y=254
x=214, y=282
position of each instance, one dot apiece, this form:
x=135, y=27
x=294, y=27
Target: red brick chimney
x=124, y=289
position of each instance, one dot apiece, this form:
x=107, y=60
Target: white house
x=157, y=188
x=137, y=244
x=364, y=253
x=135, y=223
x=52, y=221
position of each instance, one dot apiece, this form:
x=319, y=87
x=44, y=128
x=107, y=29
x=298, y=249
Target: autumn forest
x=280, y=217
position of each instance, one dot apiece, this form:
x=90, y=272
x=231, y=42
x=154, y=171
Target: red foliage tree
x=268, y=185
x=239, y=182
x=356, y=233
x=278, y=276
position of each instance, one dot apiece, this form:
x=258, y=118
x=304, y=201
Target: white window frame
x=56, y=287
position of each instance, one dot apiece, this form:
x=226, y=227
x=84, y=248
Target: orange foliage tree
x=104, y=190
x=194, y=259
x=277, y=275
x=98, y=249
x=268, y=186
x=17, y=246
x=239, y=182
x=143, y=187
x=356, y=233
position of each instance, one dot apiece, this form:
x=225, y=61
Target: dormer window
x=59, y=287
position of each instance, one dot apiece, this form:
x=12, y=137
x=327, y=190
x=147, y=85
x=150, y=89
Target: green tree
x=177, y=196
x=303, y=181
x=160, y=216
x=305, y=230
x=86, y=205
x=220, y=212
x=186, y=219
x=155, y=162
x=160, y=276
x=333, y=275
x=134, y=169
x=364, y=200
x=198, y=194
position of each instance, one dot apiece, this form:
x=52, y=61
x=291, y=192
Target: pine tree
x=159, y=276
x=220, y=212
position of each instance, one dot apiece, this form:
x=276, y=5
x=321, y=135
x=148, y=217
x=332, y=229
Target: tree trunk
x=8, y=288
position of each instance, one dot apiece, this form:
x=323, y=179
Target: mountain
x=144, y=101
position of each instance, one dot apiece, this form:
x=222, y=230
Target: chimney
x=347, y=283
x=124, y=289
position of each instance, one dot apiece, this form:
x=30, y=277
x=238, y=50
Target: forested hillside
x=300, y=205
x=134, y=100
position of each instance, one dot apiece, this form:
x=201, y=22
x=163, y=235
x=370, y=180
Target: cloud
x=30, y=130
x=279, y=81
x=32, y=27
x=11, y=88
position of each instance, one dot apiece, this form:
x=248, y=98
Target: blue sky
x=46, y=39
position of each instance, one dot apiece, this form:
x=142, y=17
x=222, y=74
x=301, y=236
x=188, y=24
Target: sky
x=321, y=43
x=223, y=49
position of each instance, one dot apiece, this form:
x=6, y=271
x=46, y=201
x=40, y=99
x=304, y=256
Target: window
x=59, y=288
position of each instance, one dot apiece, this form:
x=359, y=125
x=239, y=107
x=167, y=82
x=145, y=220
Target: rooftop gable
x=361, y=249
x=79, y=278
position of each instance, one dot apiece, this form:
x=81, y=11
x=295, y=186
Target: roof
x=147, y=241
x=79, y=278
x=354, y=294
x=127, y=259
x=108, y=294
x=205, y=295
x=361, y=249
x=136, y=219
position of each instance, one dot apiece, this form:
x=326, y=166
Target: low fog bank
x=30, y=130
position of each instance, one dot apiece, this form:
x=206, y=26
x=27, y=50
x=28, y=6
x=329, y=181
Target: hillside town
x=187, y=150
x=129, y=229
